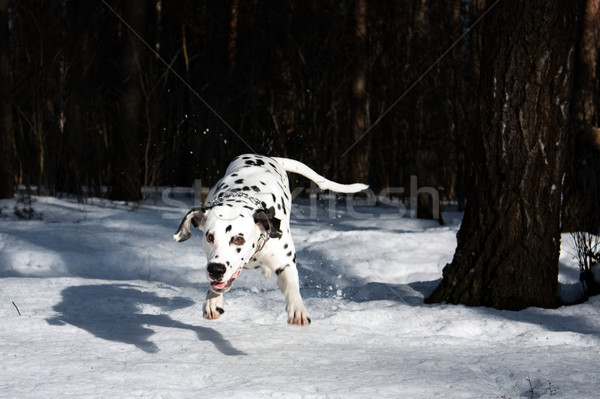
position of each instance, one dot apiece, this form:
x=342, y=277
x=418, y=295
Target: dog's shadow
x=114, y=312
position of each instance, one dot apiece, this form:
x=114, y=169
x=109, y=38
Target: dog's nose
x=216, y=270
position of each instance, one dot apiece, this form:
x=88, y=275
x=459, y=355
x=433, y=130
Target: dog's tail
x=294, y=166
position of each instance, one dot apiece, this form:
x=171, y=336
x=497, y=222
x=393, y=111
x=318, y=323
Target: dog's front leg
x=287, y=281
x=214, y=305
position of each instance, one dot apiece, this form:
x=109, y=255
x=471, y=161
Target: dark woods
x=87, y=105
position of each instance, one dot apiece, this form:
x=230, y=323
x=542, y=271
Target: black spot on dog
x=228, y=229
x=289, y=254
x=285, y=246
x=274, y=198
x=228, y=264
x=263, y=183
x=246, y=188
x=255, y=188
x=272, y=165
x=238, y=250
x=279, y=206
x=239, y=181
x=284, y=209
x=233, y=174
x=248, y=207
x=253, y=245
x=260, y=162
x=280, y=270
x=294, y=258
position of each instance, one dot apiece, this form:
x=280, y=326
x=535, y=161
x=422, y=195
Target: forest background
x=106, y=97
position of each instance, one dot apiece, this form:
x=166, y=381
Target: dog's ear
x=266, y=220
x=196, y=216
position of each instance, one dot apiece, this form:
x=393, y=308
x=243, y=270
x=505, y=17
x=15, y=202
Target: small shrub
x=24, y=207
x=587, y=246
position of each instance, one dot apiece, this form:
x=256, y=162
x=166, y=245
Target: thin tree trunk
x=582, y=181
x=128, y=138
x=7, y=175
x=359, y=167
x=233, y=35
x=509, y=241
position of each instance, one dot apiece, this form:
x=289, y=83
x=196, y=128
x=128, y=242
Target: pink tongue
x=220, y=286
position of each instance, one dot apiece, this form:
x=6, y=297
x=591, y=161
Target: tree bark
x=7, y=176
x=359, y=167
x=582, y=180
x=127, y=141
x=233, y=37
x=509, y=241
x=76, y=142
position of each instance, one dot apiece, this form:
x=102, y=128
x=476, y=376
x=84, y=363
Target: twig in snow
x=18, y=311
x=531, y=391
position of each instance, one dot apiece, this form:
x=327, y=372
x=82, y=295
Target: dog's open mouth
x=221, y=286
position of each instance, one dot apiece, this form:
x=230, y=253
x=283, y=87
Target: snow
x=111, y=306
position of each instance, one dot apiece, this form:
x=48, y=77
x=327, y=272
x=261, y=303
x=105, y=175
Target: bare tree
x=127, y=140
x=509, y=241
x=582, y=180
x=359, y=169
x=7, y=175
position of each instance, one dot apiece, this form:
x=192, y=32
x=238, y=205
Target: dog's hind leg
x=214, y=305
x=287, y=281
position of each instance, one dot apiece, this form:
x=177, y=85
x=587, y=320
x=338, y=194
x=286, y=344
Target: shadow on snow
x=317, y=280
x=113, y=312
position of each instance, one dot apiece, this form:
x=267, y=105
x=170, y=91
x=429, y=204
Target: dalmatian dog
x=246, y=225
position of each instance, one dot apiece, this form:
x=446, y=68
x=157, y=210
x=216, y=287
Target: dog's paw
x=213, y=308
x=298, y=315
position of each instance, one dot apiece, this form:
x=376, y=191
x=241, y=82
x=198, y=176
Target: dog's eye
x=239, y=241
x=210, y=238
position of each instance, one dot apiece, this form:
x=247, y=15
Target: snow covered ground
x=98, y=301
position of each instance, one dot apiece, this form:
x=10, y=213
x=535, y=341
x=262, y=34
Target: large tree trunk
x=509, y=241
x=127, y=143
x=7, y=176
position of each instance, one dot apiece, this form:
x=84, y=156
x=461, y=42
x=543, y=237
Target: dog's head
x=232, y=236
